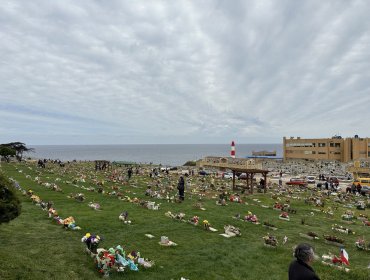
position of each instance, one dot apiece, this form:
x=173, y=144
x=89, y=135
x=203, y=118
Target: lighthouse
x=232, y=152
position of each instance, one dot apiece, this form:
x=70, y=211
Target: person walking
x=181, y=188
x=300, y=269
x=129, y=173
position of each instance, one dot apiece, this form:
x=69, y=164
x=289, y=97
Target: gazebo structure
x=102, y=165
x=241, y=165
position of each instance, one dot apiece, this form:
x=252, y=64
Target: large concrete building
x=335, y=148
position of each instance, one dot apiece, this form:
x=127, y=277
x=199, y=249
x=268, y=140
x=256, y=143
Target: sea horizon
x=32, y=145
x=165, y=154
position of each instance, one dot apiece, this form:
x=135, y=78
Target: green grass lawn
x=34, y=247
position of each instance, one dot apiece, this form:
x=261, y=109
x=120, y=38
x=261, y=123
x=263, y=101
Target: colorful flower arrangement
x=250, y=217
x=270, y=241
x=278, y=206
x=361, y=244
x=235, y=198
x=284, y=216
x=194, y=220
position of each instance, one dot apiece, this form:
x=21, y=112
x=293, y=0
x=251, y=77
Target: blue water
x=166, y=154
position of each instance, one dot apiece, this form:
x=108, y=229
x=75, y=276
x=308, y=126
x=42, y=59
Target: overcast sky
x=126, y=72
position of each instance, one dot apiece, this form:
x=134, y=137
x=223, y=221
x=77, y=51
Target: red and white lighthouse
x=232, y=152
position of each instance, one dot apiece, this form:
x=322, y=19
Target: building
x=335, y=148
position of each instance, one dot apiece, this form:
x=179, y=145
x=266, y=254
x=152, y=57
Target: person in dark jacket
x=300, y=268
x=181, y=188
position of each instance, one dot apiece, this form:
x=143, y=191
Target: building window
x=336, y=145
x=321, y=153
x=368, y=154
x=336, y=153
x=300, y=145
x=322, y=144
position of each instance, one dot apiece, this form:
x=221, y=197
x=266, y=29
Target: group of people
x=354, y=188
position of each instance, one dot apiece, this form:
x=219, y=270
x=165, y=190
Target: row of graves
x=353, y=209
x=113, y=259
x=341, y=203
x=284, y=208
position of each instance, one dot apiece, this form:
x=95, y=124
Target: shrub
x=10, y=206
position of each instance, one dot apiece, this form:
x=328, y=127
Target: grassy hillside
x=34, y=247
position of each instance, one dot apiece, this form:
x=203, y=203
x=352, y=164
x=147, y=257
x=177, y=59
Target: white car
x=228, y=175
x=310, y=179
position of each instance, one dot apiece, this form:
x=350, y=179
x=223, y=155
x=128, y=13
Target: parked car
x=311, y=180
x=297, y=182
x=227, y=175
x=242, y=176
x=203, y=172
x=365, y=190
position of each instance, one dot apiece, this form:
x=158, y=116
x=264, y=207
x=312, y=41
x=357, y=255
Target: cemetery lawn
x=34, y=247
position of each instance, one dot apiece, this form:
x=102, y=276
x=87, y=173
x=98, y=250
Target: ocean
x=165, y=154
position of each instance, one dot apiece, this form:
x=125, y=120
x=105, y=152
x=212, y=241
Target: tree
x=7, y=152
x=19, y=148
x=10, y=206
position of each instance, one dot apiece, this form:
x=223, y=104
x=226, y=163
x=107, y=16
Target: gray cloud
x=182, y=71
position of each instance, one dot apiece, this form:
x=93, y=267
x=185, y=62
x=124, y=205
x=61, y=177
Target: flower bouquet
x=278, y=206
x=207, y=226
x=251, y=218
x=270, y=241
x=284, y=216
x=361, y=245
x=194, y=220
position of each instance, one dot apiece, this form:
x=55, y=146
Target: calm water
x=175, y=154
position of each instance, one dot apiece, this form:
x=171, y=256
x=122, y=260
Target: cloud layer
x=100, y=72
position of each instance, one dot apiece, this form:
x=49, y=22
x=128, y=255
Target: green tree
x=19, y=148
x=7, y=152
x=10, y=206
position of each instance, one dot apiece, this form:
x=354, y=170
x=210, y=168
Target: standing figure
x=181, y=188
x=129, y=173
x=359, y=187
